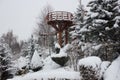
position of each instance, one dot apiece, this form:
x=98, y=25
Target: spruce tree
x=103, y=23
x=80, y=17
x=104, y=20
x=5, y=61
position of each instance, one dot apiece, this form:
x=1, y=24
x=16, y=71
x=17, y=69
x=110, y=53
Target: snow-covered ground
x=60, y=73
x=52, y=70
x=113, y=71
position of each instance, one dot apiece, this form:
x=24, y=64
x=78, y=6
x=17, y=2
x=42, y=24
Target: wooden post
x=66, y=36
x=60, y=38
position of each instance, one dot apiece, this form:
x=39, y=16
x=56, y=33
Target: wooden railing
x=59, y=15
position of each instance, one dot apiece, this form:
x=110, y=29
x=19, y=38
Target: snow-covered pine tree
x=103, y=23
x=76, y=53
x=24, y=49
x=80, y=17
x=36, y=62
x=5, y=61
x=80, y=13
x=104, y=20
x=27, y=51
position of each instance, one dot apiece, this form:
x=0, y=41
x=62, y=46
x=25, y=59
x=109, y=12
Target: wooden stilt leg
x=66, y=36
x=60, y=39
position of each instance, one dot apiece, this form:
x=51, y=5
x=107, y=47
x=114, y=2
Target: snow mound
x=50, y=64
x=90, y=61
x=57, y=45
x=56, y=74
x=104, y=66
x=62, y=52
x=113, y=72
x=67, y=47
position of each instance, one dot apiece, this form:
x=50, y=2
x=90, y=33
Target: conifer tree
x=104, y=21
x=5, y=61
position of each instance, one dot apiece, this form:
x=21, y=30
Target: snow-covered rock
x=113, y=71
x=60, y=58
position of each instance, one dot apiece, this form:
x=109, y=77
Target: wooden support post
x=66, y=36
x=60, y=38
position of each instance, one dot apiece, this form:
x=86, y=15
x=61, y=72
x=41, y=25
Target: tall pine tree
x=5, y=61
x=103, y=23
x=104, y=20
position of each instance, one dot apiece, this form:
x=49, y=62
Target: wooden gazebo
x=60, y=21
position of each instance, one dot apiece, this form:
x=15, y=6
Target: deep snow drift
x=113, y=71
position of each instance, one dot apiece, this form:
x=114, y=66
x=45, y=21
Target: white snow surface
x=60, y=73
x=62, y=52
x=103, y=67
x=100, y=21
x=49, y=64
x=93, y=61
x=67, y=47
x=96, y=47
x=84, y=29
x=36, y=61
x=57, y=45
x=113, y=72
x=94, y=15
x=107, y=28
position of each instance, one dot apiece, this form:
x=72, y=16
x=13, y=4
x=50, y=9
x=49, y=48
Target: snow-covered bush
x=36, y=62
x=21, y=65
x=90, y=68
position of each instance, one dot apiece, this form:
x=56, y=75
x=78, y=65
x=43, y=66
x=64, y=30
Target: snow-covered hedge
x=90, y=68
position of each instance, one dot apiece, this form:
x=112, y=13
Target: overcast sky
x=21, y=15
